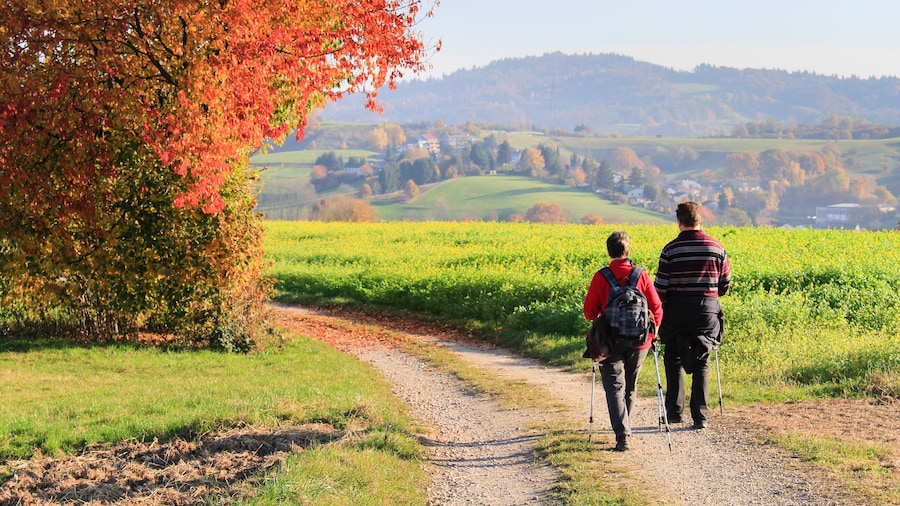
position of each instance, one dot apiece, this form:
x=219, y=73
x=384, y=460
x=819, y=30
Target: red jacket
x=598, y=292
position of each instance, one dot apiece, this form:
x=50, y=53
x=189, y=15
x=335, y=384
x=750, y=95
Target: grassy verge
x=57, y=398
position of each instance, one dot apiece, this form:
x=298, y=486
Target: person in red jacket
x=619, y=371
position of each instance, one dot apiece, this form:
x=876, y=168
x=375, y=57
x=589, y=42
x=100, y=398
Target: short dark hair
x=618, y=244
x=688, y=214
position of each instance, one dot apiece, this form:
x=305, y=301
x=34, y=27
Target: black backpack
x=627, y=314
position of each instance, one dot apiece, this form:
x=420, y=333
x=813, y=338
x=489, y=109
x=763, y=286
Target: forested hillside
x=610, y=93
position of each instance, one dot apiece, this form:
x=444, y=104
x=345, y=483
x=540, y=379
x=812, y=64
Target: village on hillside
x=772, y=188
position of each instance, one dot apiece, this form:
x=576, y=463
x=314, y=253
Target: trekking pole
x=719, y=380
x=663, y=417
x=591, y=416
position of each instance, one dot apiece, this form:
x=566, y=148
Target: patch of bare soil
x=845, y=420
x=175, y=473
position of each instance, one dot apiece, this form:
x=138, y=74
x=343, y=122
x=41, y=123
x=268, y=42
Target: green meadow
x=56, y=398
x=496, y=197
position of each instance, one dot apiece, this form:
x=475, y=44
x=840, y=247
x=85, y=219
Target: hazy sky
x=831, y=37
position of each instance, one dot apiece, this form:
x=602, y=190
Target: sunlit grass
x=58, y=398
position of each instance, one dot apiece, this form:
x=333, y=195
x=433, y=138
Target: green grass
x=274, y=176
x=58, y=398
x=496, y=197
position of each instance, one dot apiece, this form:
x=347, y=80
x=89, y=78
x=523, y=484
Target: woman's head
x=618, y=245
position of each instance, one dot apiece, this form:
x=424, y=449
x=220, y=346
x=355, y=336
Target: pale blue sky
x=831, y=37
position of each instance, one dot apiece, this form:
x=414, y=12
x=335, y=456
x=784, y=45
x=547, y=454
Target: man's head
x=688, y=214
x=618, y=245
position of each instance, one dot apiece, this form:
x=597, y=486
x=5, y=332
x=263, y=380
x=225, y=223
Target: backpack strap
x=632, y=278
x=610, y=278
x=635, y=275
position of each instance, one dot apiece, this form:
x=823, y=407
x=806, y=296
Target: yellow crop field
x=811, y=312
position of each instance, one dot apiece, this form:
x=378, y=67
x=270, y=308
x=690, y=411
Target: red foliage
x=112, y=111
x=202, y=84
x=544, y=212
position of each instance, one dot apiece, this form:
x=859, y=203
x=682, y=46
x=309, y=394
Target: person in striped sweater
x=693, y=272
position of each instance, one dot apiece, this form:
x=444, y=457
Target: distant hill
x=610, y=93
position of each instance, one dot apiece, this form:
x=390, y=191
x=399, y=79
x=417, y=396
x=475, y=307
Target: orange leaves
x=126, y=125
x=196, y=79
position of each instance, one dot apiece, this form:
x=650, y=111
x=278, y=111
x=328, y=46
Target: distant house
x=689, y=185
x=427, y=142
x=636, y=193
x=364, y=169
x=846, y=215
x=741, y=185
x=455, y=139
x=678, y=196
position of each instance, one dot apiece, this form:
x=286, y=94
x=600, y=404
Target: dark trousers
x=619, y=374
x=695, y=353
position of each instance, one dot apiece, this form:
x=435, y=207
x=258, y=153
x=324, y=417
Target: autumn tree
x=592, y=219
x=590, y=167
x=544, y=212
x=742, y=165
x=575, y=176
x=378, y=139
x=125, y=135
x=318, y=172
x=531, y=163
x=395, y=135
x=343, y=208
x=623, y=159
x=410, y=190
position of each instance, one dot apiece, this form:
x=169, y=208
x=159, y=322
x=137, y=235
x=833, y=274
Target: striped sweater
x=692, y=265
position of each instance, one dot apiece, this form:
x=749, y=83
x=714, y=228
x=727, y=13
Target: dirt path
x=481, y=454
x=722, y=465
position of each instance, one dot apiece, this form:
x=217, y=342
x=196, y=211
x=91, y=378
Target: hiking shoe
x=702, y=424
x=674, y=419
x=621, y=443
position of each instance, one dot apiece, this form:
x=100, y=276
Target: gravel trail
x=482, y=454
x=476, y=456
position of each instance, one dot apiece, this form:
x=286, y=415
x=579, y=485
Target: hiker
x=619, y=371
x=693, y=272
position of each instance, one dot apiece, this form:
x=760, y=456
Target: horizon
x=829, y=37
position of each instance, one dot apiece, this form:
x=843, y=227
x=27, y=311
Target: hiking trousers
x=674, y=359
x=619, y=373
